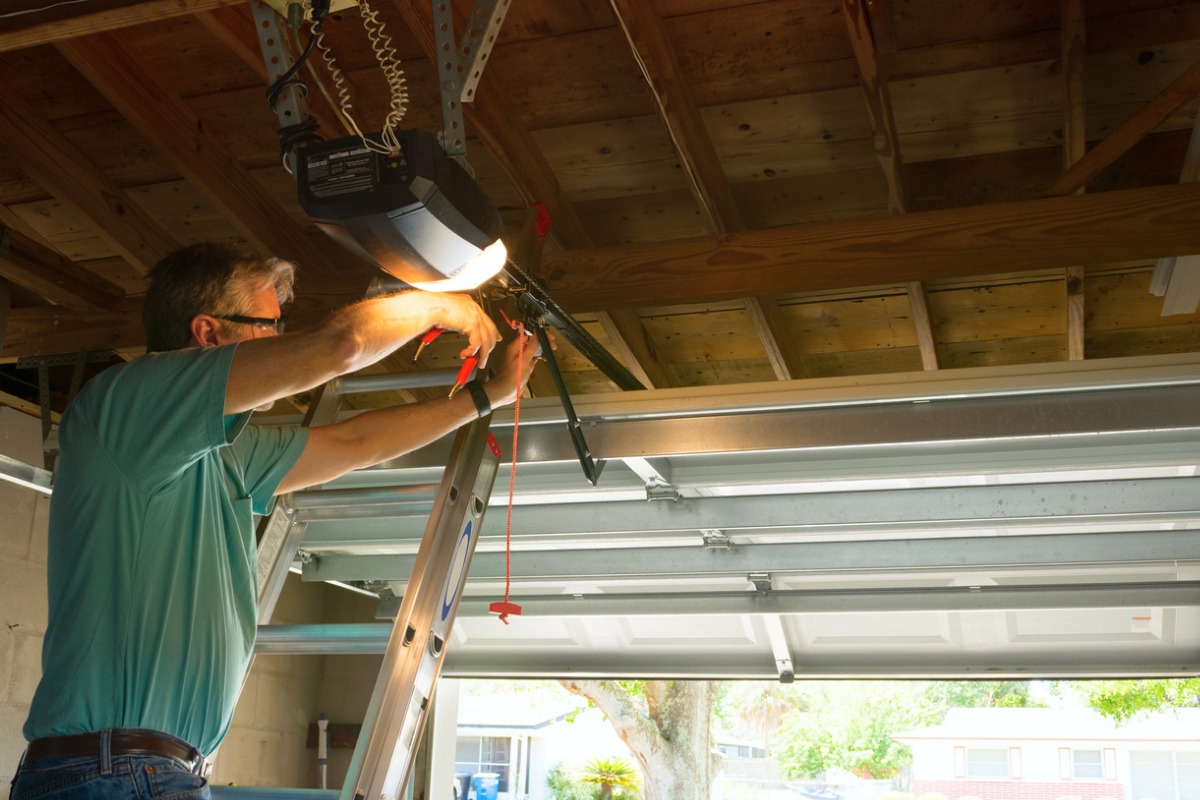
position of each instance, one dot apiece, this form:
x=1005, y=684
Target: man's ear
x=205, y=331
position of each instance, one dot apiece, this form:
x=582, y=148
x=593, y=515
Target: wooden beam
x=1047, y=233
x=51, y=160
x=1181, y=91
x=921, y=322
x=497, y=123
x=632, y=345
x=109, y=62
x=1074, y=51
x=872, y=77
x=47, y=330
x=54, y=22
x=787, y=361
x=862, y=22
x=677, y=109
x=32, y=265
x=883, y=26
x=656, y=57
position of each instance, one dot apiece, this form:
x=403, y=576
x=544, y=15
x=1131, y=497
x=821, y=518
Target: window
x=476, y=754
x=1164, y=775
x=987, y=763
x=1087, y=764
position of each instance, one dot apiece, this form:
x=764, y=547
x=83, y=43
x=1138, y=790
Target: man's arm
x=269, y=368
x=382, y=434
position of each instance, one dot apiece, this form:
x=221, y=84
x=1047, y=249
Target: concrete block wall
x=266, y=744
x=23, y=607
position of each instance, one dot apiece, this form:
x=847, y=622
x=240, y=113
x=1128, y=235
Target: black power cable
x=291, y=137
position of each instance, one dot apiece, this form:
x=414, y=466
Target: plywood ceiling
x=740, y=191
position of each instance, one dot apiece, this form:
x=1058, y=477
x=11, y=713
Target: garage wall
x=23, y=522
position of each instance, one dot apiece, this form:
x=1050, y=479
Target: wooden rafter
x=673, y=100
x=109, y=63
x=51, y=160
x=659, y=65
x=1074, y=30
x=47, y=330
x=862, y=19
x=634, y=346
x=54, y=22
x=1180, y=92
x=33, y=265
x=1105, y=227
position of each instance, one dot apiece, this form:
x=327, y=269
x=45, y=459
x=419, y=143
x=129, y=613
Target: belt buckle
x=203, y=767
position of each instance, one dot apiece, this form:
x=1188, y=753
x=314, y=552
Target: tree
x=979, y=694
x=849, y=725
x=1124, y=699
x=609, y=774
x=667, y=727
x=756, y=707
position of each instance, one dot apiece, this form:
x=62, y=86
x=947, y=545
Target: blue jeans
x=109, y=777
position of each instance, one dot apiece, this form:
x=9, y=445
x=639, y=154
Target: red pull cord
x=504, y=608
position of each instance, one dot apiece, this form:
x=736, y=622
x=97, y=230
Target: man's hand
x=502, y=389
x=458, y=312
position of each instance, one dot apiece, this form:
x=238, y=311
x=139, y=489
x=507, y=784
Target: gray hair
x=206, y=278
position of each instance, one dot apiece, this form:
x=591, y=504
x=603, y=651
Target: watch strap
x=482, y=404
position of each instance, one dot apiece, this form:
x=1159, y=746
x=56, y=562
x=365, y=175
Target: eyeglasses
x=262, y=323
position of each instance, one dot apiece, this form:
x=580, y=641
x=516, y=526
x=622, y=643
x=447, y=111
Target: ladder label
x=458, y=569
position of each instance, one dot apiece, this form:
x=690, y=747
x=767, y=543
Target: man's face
x=265, y=306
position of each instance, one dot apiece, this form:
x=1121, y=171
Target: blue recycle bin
x=487, y=785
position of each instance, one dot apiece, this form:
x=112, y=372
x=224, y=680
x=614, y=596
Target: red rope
x=505, y=608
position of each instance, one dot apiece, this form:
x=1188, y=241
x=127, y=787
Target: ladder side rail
x=383, y=758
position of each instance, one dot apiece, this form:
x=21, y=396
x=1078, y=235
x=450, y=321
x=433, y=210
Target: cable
x=385, y=55
x=43, y=8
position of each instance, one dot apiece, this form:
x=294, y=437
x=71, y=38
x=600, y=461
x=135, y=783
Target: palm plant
x=610, y=773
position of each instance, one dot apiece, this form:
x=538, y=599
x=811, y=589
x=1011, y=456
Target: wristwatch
x=482, y=404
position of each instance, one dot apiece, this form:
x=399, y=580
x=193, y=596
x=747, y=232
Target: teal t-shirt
x=152, y=562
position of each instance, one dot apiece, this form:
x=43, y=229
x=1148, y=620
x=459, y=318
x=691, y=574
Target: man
x=152, y=548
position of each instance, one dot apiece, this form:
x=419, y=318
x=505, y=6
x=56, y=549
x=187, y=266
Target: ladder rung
x=269, y=793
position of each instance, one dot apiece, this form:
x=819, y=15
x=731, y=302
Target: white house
x=1055, y=754
x=522, y=741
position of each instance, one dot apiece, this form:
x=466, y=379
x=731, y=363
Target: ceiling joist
x=1098, y=228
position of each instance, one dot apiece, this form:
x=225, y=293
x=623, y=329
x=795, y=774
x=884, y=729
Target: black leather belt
x=121, y=743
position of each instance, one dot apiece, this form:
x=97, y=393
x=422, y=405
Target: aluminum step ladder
x=383, y=759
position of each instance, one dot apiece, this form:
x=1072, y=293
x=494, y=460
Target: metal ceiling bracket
x=715, y=540
x=761, y=581
x=460, y=65
x=661, y=491
x=289, y=106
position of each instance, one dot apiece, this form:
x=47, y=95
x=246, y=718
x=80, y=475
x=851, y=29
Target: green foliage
x=598, y=779
x=563, y=787
x=980, y=694
x=849, y=725
x=612, y=775
x=1122, y=700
